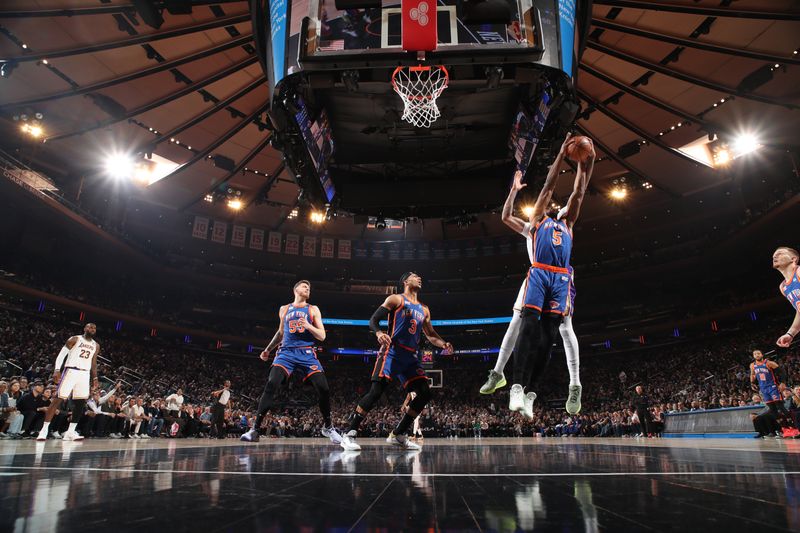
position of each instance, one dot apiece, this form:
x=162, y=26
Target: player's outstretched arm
x=433, y=336
x=277, y=338
x=546, y=194
x=316, y=328
x=515, y=223
x=786, y=339
x=582, y=177
x=389, y=304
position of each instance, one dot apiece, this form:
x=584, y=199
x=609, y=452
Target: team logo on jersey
x=314, y=367
x=554, y=304
x=564, y=278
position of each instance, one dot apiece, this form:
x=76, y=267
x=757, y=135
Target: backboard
x=332, y=36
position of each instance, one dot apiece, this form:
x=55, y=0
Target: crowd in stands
x=156, y=389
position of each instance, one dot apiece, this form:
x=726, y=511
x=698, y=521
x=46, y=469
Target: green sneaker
x=574, y=399
x=495, y=381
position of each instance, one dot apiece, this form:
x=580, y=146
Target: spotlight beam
x=634, y=128
x=661, y=69
x=693, y=43
x=161, y=101
x=161, y=67
x=238, y=168
x=139, y=39
x=219, y=142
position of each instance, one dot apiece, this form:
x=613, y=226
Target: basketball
x=579, y=149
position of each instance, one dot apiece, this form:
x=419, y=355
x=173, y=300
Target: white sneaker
x=250, y=436
x=144, y=436
x=134, y=436
x=57, y=435
x=516, y=400
x=71, y=435
x=528, y=409
x=332, y=434
x=42, y=436
x=403, y=442
x=348, y=442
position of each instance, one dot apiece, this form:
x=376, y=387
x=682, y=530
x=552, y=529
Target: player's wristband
x=790, y=334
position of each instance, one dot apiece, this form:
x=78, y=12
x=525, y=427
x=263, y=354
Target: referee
x=218, y=408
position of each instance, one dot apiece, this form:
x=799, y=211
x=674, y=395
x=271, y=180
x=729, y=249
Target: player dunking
x=547, y=287
x=397, y=359
x=75, y=365
x=785, y=260
x=497, y=378
x=299, y=327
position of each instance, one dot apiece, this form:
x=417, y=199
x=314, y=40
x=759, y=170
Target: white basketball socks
x=509, y=340
x=571, y=349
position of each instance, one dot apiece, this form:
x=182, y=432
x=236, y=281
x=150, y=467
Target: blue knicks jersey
x=294, y=335
x=766, y=382
x=552, y=243
x=405, y=325
x=792, y=290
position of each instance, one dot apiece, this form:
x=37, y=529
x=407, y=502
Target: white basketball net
x=419, y=87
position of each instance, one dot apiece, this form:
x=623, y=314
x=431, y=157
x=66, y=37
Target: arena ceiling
x=655, y=77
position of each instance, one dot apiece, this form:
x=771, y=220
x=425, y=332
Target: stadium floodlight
x=744, y=144
x=235, y=204
x=619, y=193
x=120, y=166
x=317, y=217
x=527, y=211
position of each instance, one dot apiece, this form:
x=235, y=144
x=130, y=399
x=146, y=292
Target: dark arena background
x=263, y=263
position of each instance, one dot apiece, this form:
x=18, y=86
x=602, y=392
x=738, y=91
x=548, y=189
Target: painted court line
x=456, y=474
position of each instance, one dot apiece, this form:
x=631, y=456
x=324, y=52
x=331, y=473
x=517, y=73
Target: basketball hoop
x=419, y=87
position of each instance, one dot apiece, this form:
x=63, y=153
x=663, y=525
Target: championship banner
x=238, y=236
x=360, y=250
x=274, y=243
x=309, y=246
x=292, y=244
x=326, y=250
x=256, y=239
x=200, y=228
x=219, y=232
x=344, y=249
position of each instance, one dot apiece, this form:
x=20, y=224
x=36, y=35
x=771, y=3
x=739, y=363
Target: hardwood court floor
x=465, y=484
